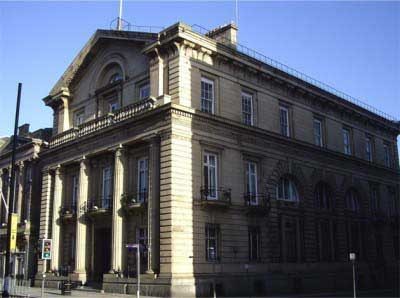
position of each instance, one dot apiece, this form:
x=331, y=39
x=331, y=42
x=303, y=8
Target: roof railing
x=127, y=26
x=283, y=67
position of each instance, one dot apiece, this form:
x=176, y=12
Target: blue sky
x=353, y=46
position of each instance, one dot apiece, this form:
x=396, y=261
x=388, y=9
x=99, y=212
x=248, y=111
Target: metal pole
x=43, y=277
x=7, y=275
x=354, y=279
x=138, y=271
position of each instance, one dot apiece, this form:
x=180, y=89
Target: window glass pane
x=144, y=91
x=207, y=95
x=318, y=132
x=247, y=108
x=284, y=121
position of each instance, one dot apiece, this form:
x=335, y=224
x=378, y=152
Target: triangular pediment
x=91, y=48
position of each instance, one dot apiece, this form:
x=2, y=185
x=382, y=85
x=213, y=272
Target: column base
x=78, y=276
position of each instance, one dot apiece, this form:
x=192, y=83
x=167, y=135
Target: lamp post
x=352, y=257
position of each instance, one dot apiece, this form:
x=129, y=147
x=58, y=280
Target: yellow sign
x=14, y=230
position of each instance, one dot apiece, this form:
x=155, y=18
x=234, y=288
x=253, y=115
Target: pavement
x=33, y=292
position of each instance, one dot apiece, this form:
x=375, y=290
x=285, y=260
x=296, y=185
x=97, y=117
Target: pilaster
x=20, y=194
x=45, y=210
x=117, y=219
x=153, y=212
x=55, y=229
x=81, y=225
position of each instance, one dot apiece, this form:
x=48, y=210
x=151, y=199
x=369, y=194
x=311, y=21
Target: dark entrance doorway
x=102, y=253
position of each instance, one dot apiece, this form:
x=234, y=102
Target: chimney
x=23, y=130
x=225, y=34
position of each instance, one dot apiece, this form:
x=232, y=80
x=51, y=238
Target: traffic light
x=46, y=249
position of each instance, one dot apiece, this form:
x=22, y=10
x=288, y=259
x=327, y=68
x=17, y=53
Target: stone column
x=117, y=220
x=20, y=194
x=81, y=226
x=55, y=228
x=153, y=208
x=45, y=203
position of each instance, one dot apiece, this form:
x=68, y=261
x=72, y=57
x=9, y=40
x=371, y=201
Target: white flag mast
x=119, y=22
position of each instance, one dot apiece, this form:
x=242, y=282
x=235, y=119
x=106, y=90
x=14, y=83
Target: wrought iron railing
x=98, y=204
x=256, y=200
x=68, y=209
x=129, y=199
x=209, y=194
x=280, y=66
x=102, y=122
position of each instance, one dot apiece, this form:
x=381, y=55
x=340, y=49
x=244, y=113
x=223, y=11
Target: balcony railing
x=256, y=202
x=215, y=196
x=102, y=122
x=98, y=205
x=134, y=201
x=68, y=210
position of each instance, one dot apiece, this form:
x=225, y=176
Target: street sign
x=46, y=249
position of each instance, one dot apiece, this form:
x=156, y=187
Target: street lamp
x=352, y=257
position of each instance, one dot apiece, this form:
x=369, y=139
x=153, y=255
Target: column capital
x=58, y=170
x=21, y=164
x=83, y=162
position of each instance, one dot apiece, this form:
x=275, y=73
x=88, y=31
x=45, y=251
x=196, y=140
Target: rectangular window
x=113, y=106
x=72, y=247
x=107, y=188
x=386, y=152
x=210, y=175
x=247, y=108
x=144, y=91
x=79, y=117
x=325, y=241
x=368, y=148
x=74, y=191
x=318, y=133
x=254, y=243
x=374, y=199
x=207, y=95
x=212, y=242
x=284, y=121
x=251, y=182
x=141, y=237
x=291, y=243
x=142, y=183
x=346, y=141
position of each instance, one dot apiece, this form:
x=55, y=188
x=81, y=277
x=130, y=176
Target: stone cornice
x=209, y=51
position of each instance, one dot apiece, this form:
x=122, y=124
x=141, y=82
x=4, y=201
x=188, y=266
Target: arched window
x=115, y=78
x=287, y=190
x=323, y=196
x=352, y=201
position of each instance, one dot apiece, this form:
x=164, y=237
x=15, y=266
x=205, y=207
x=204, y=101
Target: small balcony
x=98, y=206
x=68, y=211
x=215, y=197
x=257, y=203
x=136, y=201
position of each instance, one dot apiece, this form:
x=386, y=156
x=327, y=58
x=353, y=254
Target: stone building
x=233, y=173
x=27, y=197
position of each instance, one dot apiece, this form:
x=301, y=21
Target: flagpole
x=119, y=24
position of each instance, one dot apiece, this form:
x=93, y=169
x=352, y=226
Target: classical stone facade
x=233, y=175
x=27, y=197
